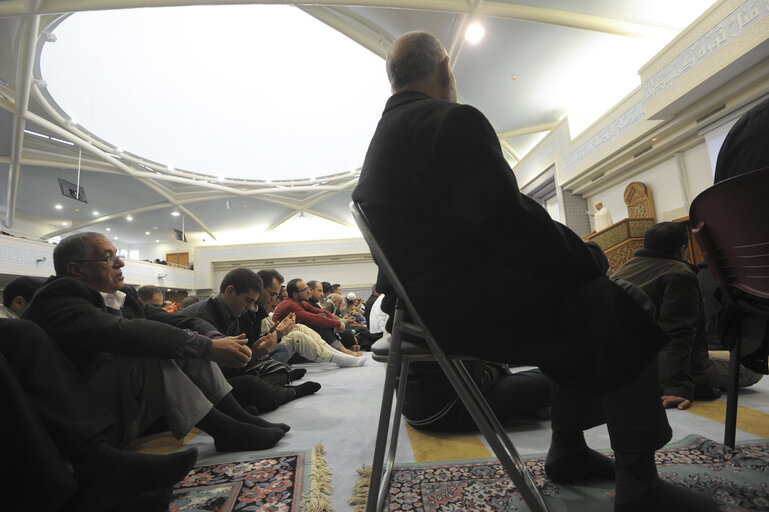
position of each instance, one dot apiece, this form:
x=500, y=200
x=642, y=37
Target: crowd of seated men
x=90, y=364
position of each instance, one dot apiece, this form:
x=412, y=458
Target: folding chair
x=730, y=225
x=399, y=354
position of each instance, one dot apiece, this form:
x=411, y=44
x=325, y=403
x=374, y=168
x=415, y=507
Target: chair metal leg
x=730, y=423
x=495, y=435
x=393, y=362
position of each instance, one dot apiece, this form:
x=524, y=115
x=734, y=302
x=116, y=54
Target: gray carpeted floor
x=343, y=416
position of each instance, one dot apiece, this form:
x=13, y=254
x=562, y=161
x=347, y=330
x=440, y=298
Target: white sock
x=346, y=361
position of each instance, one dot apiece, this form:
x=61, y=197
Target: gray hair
x=74, y=247
x=412, y=57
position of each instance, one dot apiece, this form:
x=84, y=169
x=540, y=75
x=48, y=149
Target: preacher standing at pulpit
x=445, y=208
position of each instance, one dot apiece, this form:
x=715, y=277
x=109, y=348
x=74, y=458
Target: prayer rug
x=738, y=480
x=286, y=482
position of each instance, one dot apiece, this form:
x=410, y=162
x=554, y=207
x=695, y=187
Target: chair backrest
x=731, y=224
x=384, y=265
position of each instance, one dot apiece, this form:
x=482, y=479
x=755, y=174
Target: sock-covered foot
x=247, y=437
x=569, y=459
x=230, y=406
x=346, y=361
x=663, y=496
x=107, y=476
x=296, y=374
x=305, y=389
x=231, y=434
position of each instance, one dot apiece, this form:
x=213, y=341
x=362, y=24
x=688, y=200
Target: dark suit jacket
x=74, y=315
x=446, y=209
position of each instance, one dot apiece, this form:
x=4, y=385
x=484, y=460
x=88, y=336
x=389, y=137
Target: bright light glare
x=250, y=91
x=474, y=33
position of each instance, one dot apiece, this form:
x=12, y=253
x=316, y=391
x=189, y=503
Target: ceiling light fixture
x=175, y=213
x=114, y=238
x=474, y=33
x=109, y=229
x=95, y=212
x=129, y=218
x=58, y=207
x=146, y=232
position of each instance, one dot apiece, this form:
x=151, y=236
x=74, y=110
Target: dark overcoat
x=446, y=209
x=75, y=317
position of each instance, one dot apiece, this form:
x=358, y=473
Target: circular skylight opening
x=258, y=92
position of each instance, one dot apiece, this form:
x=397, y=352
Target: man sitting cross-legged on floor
x=323, y=322
x=228, y=311
x=53, y=449
x=671, y=283
x=304, y=341
x=442, y=202
x=139, y=360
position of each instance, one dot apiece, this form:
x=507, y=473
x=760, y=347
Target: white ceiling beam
x=528, y=130
x=281, y=221
x=510, y=150
x=497, y=9
x=457, y=42
x=105, y=218
x=331, y=218
x=376, y=42
x=197, y=219
x=27, y=44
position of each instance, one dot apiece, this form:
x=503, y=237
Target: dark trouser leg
x=633, y=413
x=56, y=391
x=33, y=471
x=519, y=394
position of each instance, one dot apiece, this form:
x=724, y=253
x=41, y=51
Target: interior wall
x=671, y=194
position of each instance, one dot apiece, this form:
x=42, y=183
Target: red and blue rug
x=283, y=482
x=738, y=480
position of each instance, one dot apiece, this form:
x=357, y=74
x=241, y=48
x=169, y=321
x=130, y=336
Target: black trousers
x=47, y=414
x=633, y=413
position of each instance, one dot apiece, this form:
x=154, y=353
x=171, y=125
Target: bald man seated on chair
x=442, y=202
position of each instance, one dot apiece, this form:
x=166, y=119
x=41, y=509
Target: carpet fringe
x=360, y=489
x=317, y=499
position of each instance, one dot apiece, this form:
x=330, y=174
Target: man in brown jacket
x=671, y=283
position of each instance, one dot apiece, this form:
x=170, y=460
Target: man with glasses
x=140, y=361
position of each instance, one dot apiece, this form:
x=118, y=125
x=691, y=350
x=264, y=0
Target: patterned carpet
x=285, y=482
x=738, y=480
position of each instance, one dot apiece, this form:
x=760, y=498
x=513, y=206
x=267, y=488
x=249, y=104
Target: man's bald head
x=418, y=61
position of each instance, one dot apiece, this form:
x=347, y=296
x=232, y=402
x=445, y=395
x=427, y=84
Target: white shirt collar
x=114, y=300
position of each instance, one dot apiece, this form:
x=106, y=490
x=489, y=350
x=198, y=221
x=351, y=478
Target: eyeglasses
x=109, y=260
x=305, y=289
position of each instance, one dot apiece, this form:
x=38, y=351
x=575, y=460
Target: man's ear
x=230, y=291
x=73, y=269
x=444, y=68
x=18, y=304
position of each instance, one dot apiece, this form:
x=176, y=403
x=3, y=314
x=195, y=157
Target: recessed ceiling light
x=129, y=218
x=514, y=77
x=175, y=213
x=157, y=241
x=95, y=212
x=474, y=33
x=109, y=229
x=77, y=209
x=146, y=232
x=63, y=223
x=654, y=139
x=114, y=237
x=58, y=207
